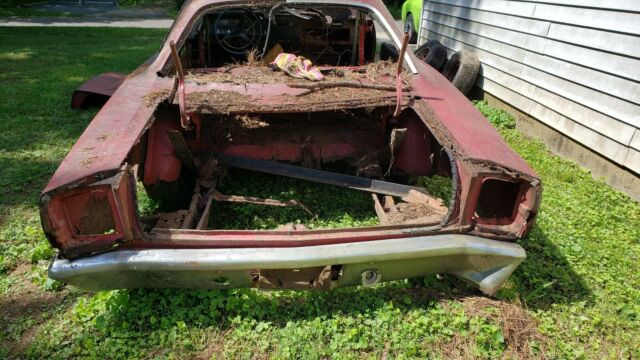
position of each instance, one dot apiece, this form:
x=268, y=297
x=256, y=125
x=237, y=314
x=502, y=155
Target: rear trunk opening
x=291, y=171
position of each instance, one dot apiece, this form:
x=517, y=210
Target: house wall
x=572, y=65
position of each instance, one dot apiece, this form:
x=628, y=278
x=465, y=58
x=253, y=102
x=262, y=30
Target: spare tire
x=388, y=52
x=462, y=70
x=433, y=53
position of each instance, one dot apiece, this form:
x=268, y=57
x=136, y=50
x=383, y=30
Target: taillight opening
x=89, y=213
x=498, y=202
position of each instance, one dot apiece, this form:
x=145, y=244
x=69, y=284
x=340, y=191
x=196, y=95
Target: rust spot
x=105, y=137
x=88, y=161
x=313, y=278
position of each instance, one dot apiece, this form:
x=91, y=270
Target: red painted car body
x=88, y=208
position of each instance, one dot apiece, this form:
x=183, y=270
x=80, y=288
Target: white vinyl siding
x=572, y=64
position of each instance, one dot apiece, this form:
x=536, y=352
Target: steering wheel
x=237, y=30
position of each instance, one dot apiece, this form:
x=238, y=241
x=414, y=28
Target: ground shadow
x=23, y=312
x=545, y=278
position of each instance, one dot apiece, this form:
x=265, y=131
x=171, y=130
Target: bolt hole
x=221, y=281
x=370, y=277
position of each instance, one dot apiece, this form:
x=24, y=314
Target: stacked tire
x=461, y=69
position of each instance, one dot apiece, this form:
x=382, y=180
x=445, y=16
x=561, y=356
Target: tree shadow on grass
x=546, y=276
x=25, y=308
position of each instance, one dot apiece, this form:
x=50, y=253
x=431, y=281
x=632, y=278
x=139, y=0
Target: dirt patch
x=415, y=208
x=27, y=302
x=408, y=213
x=107, y=136
x=156, y=97
x=250, y=122
x=88, y=161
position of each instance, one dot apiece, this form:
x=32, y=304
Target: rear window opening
x=327, y=35
x=292, y=171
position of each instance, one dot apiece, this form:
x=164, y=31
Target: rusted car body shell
x=478, y=152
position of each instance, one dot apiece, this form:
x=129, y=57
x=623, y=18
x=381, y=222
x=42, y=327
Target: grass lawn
x=394, y=7
x=576, y=296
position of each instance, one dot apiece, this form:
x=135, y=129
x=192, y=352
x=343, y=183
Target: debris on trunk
x=297, y=66
x=416, y=208
x=380, y=72
x=172, y=220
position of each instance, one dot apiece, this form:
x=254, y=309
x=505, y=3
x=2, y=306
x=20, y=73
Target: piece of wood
x=259, y=201
x=389, y=204
x=415, y=197
x=382, y=215
x=611, y=149
x=601, y=4
x=597, y=121
x=635, y=140
x=204, y=218
x=632, y=161
x=193, y=208
x=618, y=21
x=515, y=38
x=597, y=39
x=182, y=150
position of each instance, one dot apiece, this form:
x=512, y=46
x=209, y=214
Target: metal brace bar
x=319, y=176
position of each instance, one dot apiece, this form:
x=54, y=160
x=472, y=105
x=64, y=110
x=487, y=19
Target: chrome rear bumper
x=483, y=262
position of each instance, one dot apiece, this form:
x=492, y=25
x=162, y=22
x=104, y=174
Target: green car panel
x=413, y=7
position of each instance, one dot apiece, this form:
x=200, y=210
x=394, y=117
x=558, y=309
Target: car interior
x=326, y=35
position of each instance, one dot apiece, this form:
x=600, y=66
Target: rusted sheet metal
x=161, y=163
x=313, y=278
x=103, y=85
x=474, y=135
x=94, y=218
x=183, y=238
x=104, y=145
